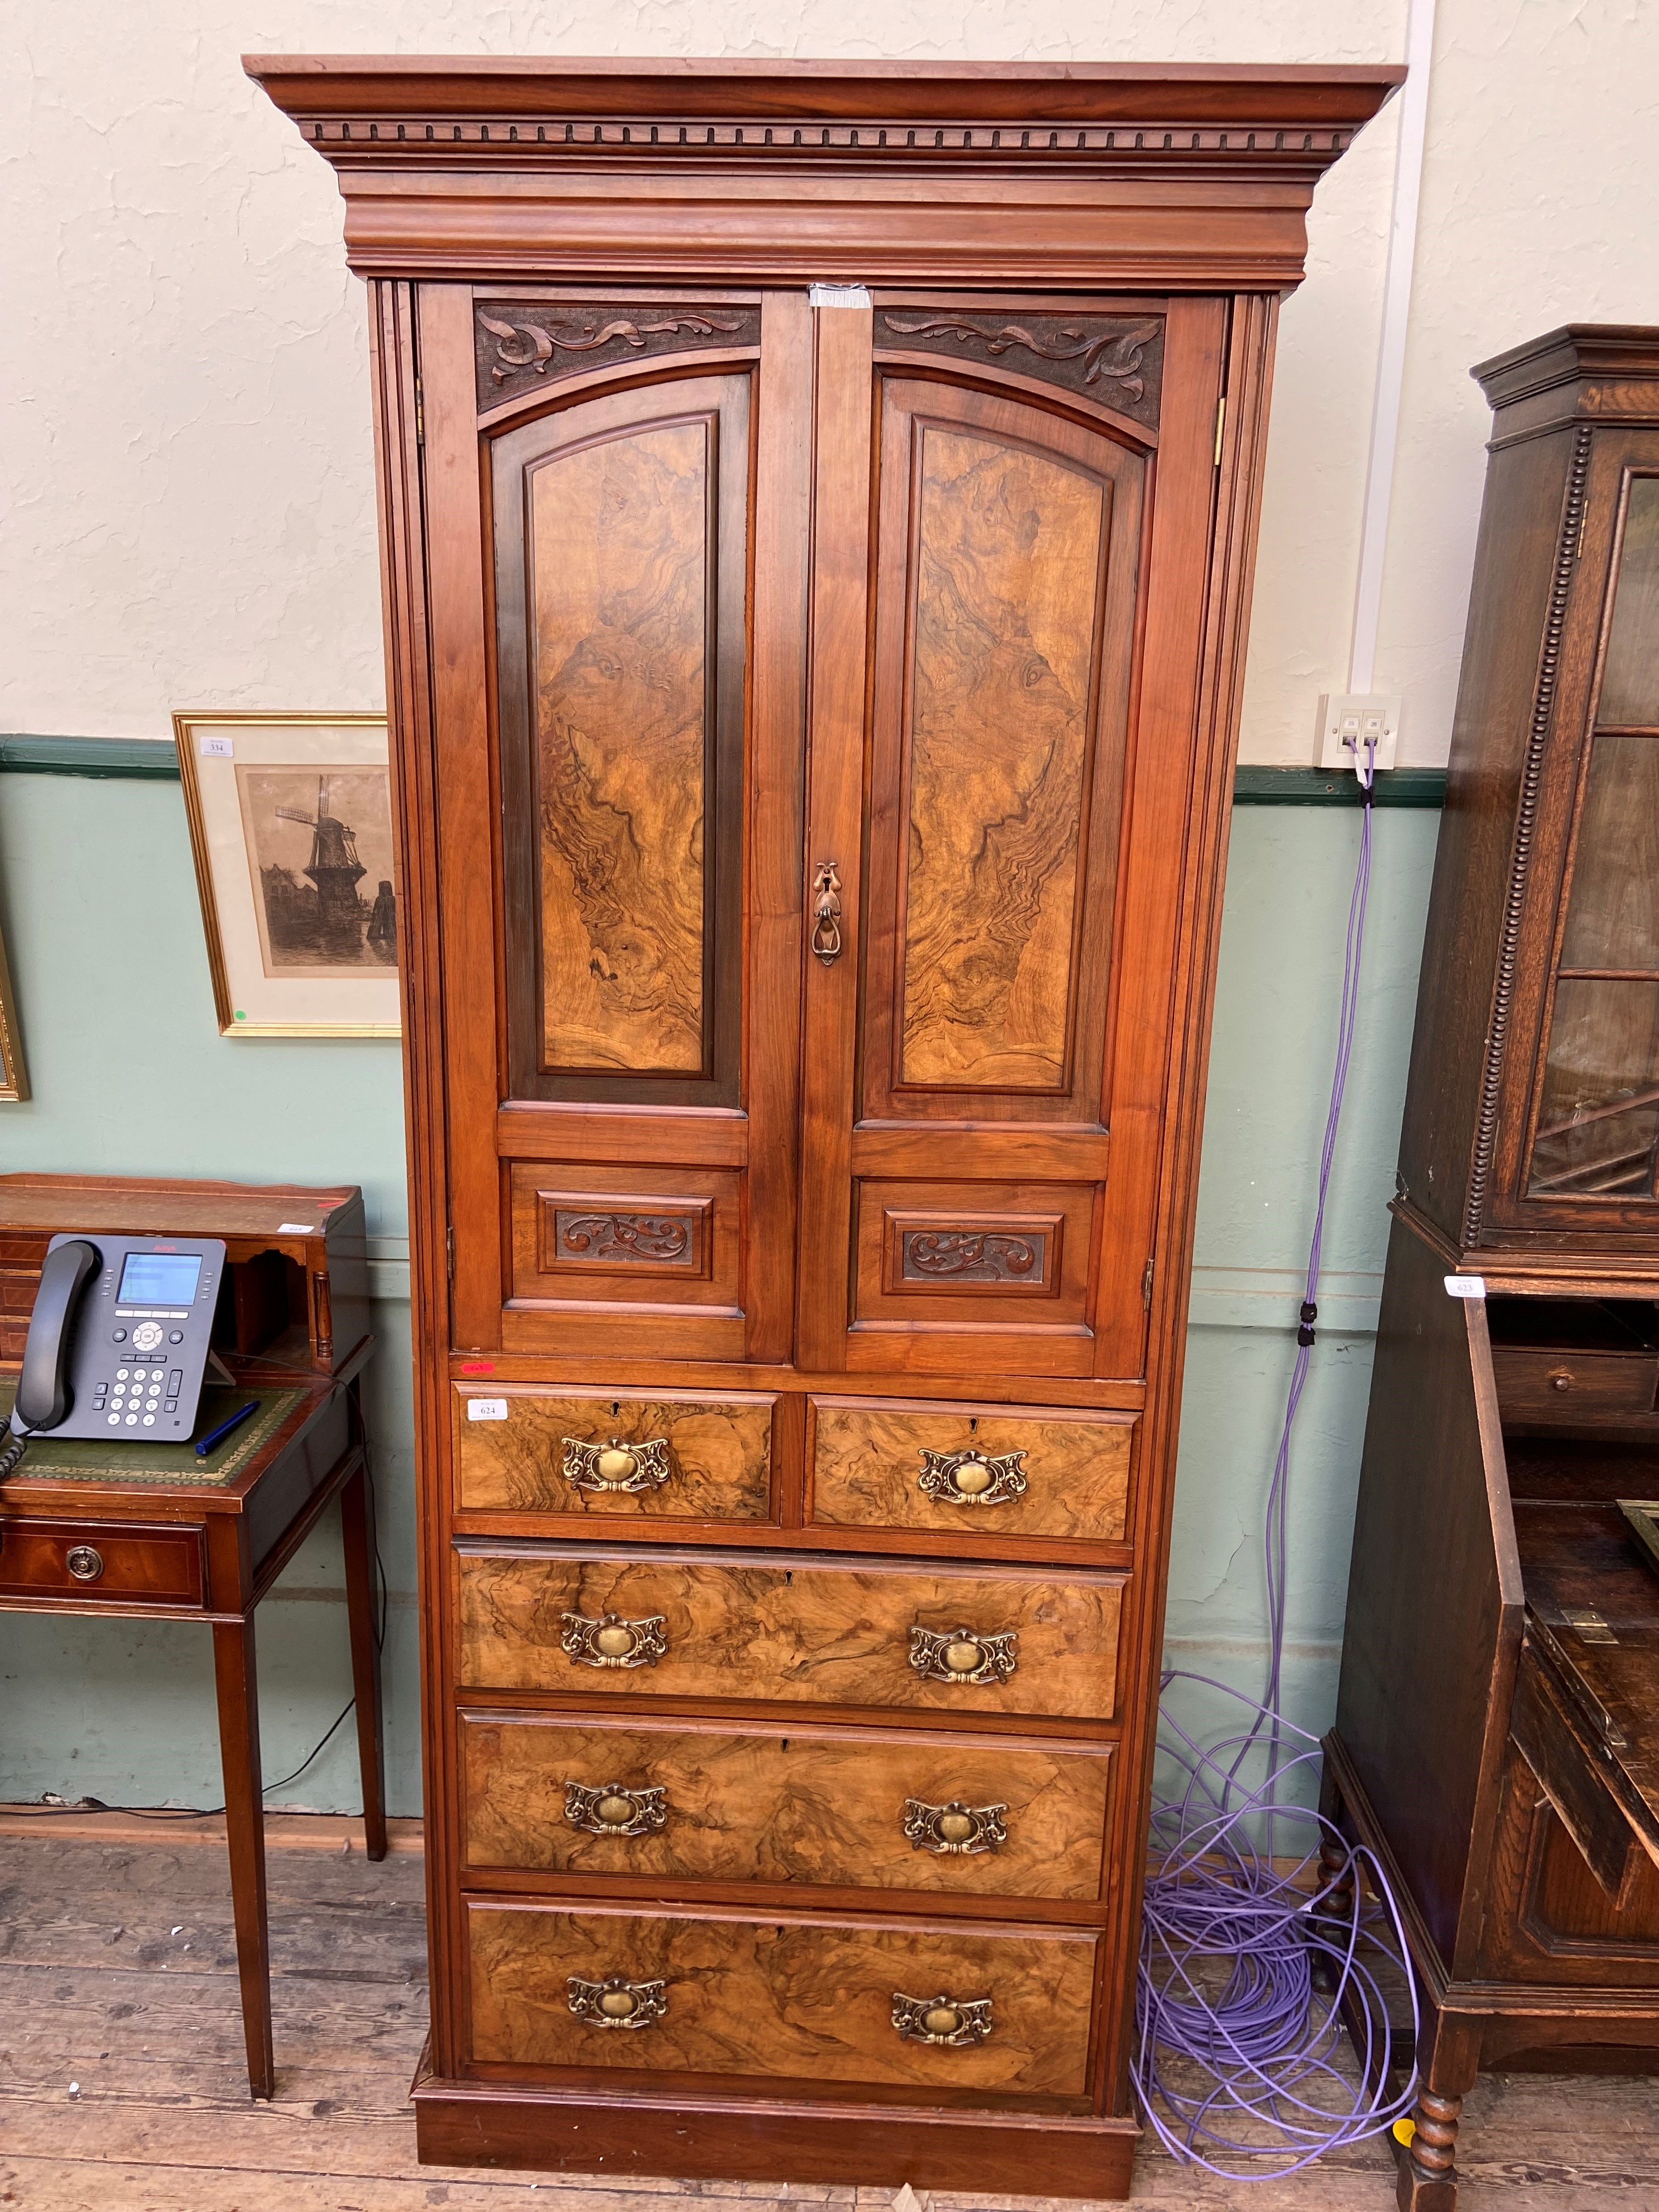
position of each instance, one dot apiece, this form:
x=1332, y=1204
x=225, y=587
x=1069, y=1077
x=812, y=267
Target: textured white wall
x=185, y=419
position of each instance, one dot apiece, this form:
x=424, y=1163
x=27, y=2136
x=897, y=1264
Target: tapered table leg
x=244, y=1829
x=358, y=1530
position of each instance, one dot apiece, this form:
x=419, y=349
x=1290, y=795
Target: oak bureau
x=818, y=504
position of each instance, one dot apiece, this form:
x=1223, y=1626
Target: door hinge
x=420, y=414
x=1147, y=1285
x=1221, y=425
x=449, y=1250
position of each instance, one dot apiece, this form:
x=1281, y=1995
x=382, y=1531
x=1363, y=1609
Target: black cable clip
x=1309, y=1315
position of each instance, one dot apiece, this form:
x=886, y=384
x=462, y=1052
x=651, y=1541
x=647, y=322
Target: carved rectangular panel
x=624, y=1233
x=705, y=1459
x=969, y=1252
x=972, y=1253
x=790, y=1632
x=809, y=2001
x=757, y=1804
x=1116, y=361
x=654, y=1242
x=523, y=345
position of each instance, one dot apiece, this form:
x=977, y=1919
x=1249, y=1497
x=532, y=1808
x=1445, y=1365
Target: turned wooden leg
x=1428, y=2169
x=358, y=1530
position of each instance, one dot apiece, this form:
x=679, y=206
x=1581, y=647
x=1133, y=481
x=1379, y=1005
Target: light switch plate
x=1349, y=720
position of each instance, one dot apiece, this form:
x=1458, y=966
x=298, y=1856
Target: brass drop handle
x=85, y=1563
x=616, y=2001
x=972, y=1477
x=956, y=1830
x=616, y=1466
x=963, y=1654
x=826, y=911
x=614, y=1809
x=610, y=1641
x=954, y=2022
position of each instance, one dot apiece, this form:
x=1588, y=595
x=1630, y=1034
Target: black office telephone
x=121, y=1338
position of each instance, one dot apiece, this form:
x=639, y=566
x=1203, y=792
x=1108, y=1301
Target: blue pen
x=218, y=1434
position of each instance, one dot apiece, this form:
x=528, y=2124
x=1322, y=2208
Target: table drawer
x=974, y=1470
x=114, y=1561
x=797, y=2000
x=690, y=1625
x=683, y=1456
x=969, y=1815
x=1573, y=1388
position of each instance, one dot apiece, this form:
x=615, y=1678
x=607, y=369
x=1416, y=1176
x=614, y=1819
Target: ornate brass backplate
x=955, y=1830
x=610, y=1641
x=961, y=1655
x=952, y=2021
x=972, y=1477
x=615, y=2002
x=616, y=1466
x=614, y=1809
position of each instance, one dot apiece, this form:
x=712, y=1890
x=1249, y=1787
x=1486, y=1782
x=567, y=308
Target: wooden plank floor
x=122, y=2088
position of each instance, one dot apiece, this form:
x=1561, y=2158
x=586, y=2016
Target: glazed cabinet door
x=619, y=809
x=984, y=999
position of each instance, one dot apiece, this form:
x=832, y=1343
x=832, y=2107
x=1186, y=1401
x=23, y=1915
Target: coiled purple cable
x=1247, y=1974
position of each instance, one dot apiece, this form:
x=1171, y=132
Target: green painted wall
x=98, y=908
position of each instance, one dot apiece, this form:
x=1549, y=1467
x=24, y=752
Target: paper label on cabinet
x=486, y=1409
x=294, y=1229
x=218, y=748
x=1466, y=1287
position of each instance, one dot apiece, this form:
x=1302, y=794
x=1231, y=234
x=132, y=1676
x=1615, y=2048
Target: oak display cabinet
x=818, y=504
x=1497, y=1737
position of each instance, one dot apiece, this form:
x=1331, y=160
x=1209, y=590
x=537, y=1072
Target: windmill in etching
x=335, y=870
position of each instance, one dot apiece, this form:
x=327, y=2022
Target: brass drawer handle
x=963, y=1654
x=826, y=911
x=616, y=2002
x=610, y=1641
x=613, y=1809
x=954, y=2022
x=955, y=1830
x=616, y=1466
x=972, y=1477
x=85, y=1563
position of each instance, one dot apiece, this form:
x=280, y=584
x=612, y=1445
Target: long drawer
x=669, y=1455
x=797, y=2000
x=972, y=1816
x=690, y=1625
x=970, y=1470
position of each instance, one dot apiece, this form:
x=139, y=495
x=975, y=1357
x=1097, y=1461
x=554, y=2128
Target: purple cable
x=1260, y=2051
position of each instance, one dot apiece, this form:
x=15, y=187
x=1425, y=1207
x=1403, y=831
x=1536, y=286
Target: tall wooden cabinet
x=817, y=505
x=1496, y=1738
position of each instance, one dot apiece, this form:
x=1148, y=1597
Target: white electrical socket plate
x=1347, y=720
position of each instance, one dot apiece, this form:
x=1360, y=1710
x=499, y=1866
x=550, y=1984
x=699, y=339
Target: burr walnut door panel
x=955, y=1815
x=803, y=2000
x=973, y=1643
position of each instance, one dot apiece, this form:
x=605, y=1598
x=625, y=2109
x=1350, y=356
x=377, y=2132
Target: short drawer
x=971, y=1815
x=681, y=1456
x=692, y=1624
x=797, y=2000
x=970, y=1469
x=113, y=1561
x=1573, y=1388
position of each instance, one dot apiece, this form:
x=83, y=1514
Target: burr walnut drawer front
x=846, y=1632
x=967, y=1815
x=1572, y=1387
x=1003, y=2012
x=120, y=1563
x=993, y=1470
x=681, y=1455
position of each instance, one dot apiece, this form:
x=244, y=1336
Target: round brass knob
x=618, y=2004
x=615, y=1463
x=615, y=1812
x=963, y=1657
x=973, y=1478
x=957, y=1827
x=84, y=1564
x=941, y=2019
x=1561, y=1381
x=616, y=1642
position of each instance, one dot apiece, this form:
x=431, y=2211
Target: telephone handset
x=121, y=1338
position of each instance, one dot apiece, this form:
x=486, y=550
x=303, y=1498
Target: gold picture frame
x=14, y=1081
x=294, y=947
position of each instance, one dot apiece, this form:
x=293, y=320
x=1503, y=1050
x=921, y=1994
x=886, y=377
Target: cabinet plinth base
x=769, y=2139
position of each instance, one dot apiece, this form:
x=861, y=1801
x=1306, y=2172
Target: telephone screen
x=159, y=1279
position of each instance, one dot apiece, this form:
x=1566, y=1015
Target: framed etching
x=290, y=824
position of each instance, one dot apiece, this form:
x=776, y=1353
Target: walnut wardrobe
x=818, y=504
